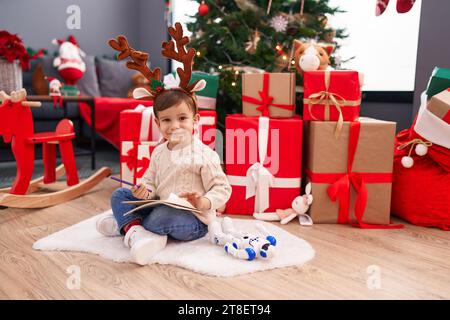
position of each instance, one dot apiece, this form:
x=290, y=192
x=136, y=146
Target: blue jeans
x=161, y=219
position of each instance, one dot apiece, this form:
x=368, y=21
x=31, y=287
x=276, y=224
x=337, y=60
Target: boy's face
x=176, y=123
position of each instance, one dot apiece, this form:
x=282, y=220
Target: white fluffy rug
x=199, y=255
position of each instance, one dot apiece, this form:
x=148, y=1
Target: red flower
x=12, y=48
x=158, y=89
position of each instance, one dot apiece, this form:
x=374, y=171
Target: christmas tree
x=234, y=36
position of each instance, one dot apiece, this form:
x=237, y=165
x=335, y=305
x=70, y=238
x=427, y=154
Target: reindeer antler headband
x=139, y=62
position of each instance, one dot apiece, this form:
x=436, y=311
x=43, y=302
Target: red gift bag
x=421, y=194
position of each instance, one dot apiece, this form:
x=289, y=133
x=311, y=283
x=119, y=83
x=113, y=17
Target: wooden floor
x=413, y=263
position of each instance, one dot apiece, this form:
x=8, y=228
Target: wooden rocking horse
x=16, y=126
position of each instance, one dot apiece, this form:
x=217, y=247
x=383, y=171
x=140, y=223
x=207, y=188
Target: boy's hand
x=140, y=192
x=197, y=200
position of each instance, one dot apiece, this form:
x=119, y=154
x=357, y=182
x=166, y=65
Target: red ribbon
x=130, y=157
x=143, y=164
x=266, y=99
x=340, y=183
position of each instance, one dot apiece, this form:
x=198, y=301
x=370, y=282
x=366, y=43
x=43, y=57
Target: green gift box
x=206, y=98
x=439, y=81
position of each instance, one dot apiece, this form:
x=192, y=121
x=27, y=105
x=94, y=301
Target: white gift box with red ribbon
x=135, y=160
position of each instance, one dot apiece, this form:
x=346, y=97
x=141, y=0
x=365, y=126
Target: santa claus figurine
x=55, y=86
x=71, y=66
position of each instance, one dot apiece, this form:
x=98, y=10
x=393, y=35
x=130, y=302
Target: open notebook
x=173, y=201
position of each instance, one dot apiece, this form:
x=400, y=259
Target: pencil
x=126, y=182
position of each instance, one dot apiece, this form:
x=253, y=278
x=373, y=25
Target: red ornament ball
x=203, y=9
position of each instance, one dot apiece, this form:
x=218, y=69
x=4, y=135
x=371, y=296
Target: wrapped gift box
x=351, y=176
x=430, y=127
x=439, y=81
x=139, y=125
x=144, y=153
x=331, y=95
x=439, y=105
x=268, y=94
x=263, y=163
x=207, y=97
x=206, y=131
x=135, y=160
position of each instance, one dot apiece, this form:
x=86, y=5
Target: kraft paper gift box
x=135, y=160
x=268, y=94
x=263, y=163
x=351, y=176
x=331, y=96
x=439, y=105
x=439, y=81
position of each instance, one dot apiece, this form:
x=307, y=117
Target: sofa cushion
x=88, y=85
x=114, y=77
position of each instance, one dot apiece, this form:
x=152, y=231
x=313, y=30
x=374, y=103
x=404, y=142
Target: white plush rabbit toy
x=300, y=206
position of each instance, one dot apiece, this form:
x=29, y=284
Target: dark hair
x=170, y=98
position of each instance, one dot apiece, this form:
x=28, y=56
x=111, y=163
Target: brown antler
x=186, y=58
x=139, y=58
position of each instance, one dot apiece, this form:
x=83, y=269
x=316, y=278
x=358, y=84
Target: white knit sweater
x=194, y=167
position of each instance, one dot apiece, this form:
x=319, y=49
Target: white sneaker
x=107, y=226
x=144, y=244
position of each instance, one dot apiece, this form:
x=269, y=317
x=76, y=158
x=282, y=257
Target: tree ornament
x=292, y=30
x=252, y=44
x=248, y=5
x=329, y=35
x=203, y=9
x=407, y=161
x=234, y=25
x=279, y=23
x=421, y=149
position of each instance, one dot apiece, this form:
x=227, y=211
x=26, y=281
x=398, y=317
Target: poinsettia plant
x=12, y=48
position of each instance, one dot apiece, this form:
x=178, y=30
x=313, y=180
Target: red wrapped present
x=207, y=127
x=263, y=163
x=331, y=96
x=139, y=125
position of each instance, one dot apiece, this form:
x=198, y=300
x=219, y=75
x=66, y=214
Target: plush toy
x=239, y=244
x=71, y=66
x=310, y=56
x=139, y=81
x=55, y=86
x=300, y=206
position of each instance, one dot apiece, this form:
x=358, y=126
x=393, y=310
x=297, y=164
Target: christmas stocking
x=381, y=6
x=404, y=6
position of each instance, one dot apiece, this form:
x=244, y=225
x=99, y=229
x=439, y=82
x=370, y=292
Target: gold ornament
x=252, y=44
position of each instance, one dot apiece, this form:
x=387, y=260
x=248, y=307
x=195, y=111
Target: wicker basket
x=10, y=75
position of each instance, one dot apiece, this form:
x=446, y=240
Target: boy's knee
x=121, y=193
